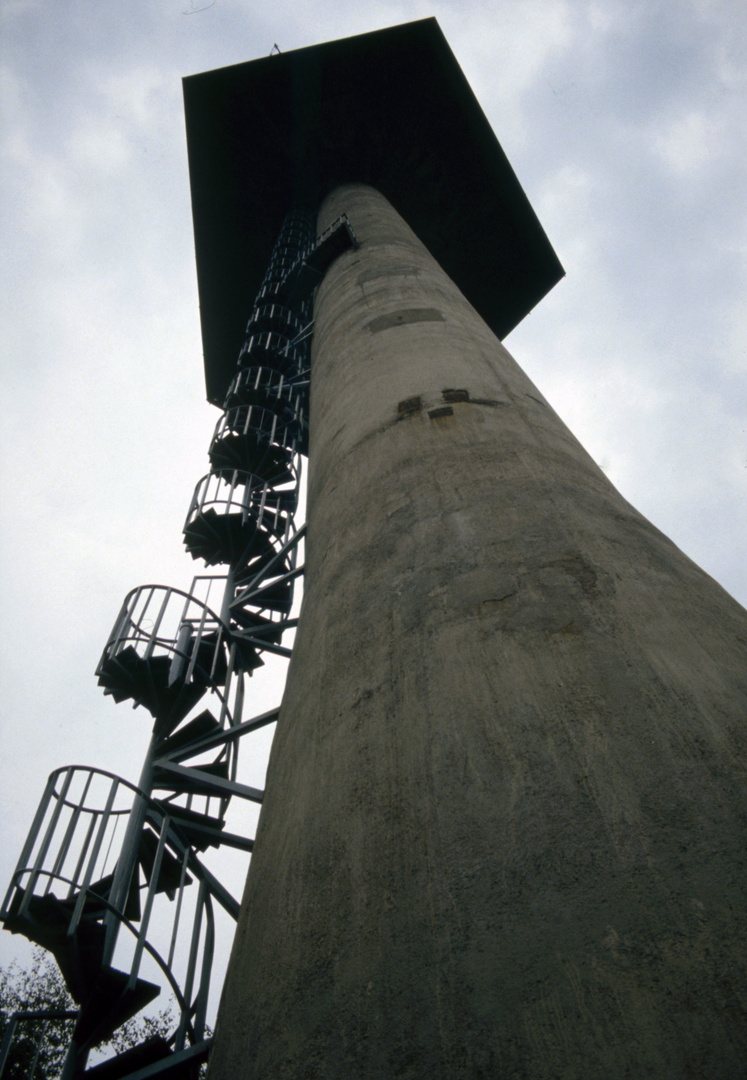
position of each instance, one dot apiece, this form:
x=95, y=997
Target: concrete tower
x=504, y=825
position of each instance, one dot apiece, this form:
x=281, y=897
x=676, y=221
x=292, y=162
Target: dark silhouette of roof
x=391, y=109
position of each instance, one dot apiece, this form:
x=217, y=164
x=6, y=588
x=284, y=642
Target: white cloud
x=565, y=203
x=690, y=141
x=606, y=16
x=137, y=95
x=96, y=144
x=10, y=9
x=503, y=49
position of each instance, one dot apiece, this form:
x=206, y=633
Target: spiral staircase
x=113, y=878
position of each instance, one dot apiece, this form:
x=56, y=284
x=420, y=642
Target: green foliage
x=42, y=987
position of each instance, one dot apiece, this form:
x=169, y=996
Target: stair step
x=109, y=1005
x=146, y=683
x=178, y=700
x=275, y=523
x=137, y=1057
x=211, y=664
x=251, y=453
x=126, y=675
x=122, y=677
x=239, y=536
x=98, y=892
x=93, y=905
x=78, y=955
x=215, y=538
x=244, y=575
x=197, y=828
x=171, y=868
x=273, y=598
x=264, y=629
x=202, y=725
x=247, y=657
x=184, y=784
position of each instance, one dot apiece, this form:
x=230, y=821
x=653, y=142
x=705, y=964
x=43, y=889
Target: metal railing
x=69, y=865
x=106, y=854
x=271, y=350
x=274, y=317
x=264, y=424
x=264, y=385
x=160, y=621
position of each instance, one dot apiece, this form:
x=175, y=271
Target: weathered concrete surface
x=504, y=830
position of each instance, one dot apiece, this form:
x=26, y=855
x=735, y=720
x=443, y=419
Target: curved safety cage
x=272, y=349
x=275, y=318
x=166, y=650
x=121, y=929
x=109, y=879
x=238, y=520
x=277, y=422
x=158, y=622
x=266, y=387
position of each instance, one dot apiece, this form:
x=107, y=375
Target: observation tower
x=503, y=828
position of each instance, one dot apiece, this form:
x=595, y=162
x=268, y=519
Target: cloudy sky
x=626, y=123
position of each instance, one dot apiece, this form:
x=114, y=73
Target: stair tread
x=247, y=657
x=251, y=452
x=239, y=536
x=192, y=822
x=197, y=728
x=165, y=780
x=94, y=906
x=136, y=1057
x=78, y=955
x=171, y=868
x=272, y=629
x=146, y=681
x=110, y=1004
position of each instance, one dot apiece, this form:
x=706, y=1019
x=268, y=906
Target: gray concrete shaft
x=504, y=828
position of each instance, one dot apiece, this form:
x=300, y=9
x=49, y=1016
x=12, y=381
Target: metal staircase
x=112, y=879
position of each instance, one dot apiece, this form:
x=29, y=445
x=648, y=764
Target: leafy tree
x=42, y=987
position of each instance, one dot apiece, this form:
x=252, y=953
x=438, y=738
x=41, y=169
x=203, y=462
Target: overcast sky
x=625, y=122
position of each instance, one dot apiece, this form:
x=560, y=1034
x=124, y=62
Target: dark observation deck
x=391, y=109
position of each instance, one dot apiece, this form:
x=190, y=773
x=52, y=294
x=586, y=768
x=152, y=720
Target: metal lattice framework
x=112, y=879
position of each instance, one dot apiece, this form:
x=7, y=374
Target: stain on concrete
x=491, y=403
x=387, y=271
x=577, y=567
x=492, y=601
x=409, y=406
x=403, y=318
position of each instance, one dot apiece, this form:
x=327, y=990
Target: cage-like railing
x=269, y=293
x=236, y=520
x=109, y=879
x=160, y=623
x=267, y=388
x=68, y=894
x=265, y=424
x=260, y=442
x=271, y=349
x=282, y=260
x=276, y=318
x=166, y=651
